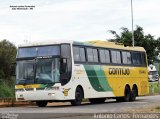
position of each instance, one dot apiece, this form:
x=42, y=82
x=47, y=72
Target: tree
x=7, y=58
x=146, y=41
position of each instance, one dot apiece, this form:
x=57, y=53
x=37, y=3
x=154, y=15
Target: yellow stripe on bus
x=27, y=86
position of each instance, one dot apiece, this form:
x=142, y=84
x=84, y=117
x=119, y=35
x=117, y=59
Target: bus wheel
x=41, y=103
x=97, y=100
x=133, y=94
x=127, y=94
x=78, y=97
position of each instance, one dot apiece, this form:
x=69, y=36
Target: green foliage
x=6, y=88
x=158, y=108
x=147, y=41
x=7, y=58
x=154, y=88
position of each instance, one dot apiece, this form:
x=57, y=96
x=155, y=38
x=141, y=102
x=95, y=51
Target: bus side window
x=143, y=56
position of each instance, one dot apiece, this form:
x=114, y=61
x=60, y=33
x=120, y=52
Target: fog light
x=51, y=94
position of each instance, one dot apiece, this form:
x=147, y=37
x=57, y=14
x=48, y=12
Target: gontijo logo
x=119, y=71
x=65, y=92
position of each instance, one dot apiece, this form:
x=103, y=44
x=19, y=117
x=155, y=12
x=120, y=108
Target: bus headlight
x=55, y=88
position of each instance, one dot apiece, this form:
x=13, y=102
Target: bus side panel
x=93, y=81
x=119, y=76
x=109, y=81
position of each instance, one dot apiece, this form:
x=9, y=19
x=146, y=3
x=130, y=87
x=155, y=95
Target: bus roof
x=95, y=43
x=106, y=44
x=43, y=43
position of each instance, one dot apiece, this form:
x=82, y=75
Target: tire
x=133, y=94
x=127, y=94
x=97, y=100
x=41, y=103
x=78, y=97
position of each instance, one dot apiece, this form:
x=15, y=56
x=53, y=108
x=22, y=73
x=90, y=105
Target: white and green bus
x=72, y=71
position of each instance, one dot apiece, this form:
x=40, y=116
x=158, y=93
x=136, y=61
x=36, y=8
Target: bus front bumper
x=39, y=95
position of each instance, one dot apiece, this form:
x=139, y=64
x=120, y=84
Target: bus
x=152, y=73
x=73, y=71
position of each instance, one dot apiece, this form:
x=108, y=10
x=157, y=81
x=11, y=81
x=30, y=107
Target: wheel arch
x=127, y=86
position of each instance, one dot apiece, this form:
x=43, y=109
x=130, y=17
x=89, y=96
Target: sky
x=78, y=20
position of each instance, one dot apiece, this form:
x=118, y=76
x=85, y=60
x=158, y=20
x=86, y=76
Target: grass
x=154, y=88
x=6, y=88
x=157, y=109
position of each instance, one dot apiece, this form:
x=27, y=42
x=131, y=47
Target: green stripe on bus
x=93, y=77
x=97, y=78
x=102, y=78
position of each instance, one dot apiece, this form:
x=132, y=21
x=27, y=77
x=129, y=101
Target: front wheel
x=78, y=97
x=41, y=103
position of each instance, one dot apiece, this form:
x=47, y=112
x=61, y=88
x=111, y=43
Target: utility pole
x=132, y=24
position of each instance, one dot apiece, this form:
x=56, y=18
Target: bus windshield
x=38, y=51
x=40, y=71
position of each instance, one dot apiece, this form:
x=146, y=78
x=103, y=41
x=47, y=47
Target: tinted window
x=126, y=57
x=139, y=59
x=39, y=51
x=143, y=58
x=95, y=55
x=27, y=52
x=65, y=51
x=116, y=56
x=82, y=55
x=76, y=54
x=129, y=58
x=107, y=55
x=104, y=56
x=136, y=57
x=79, y=54
x=90, y=54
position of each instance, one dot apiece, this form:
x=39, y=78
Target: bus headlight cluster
x=55, y=88
x=51, y=94
x=19, y=90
